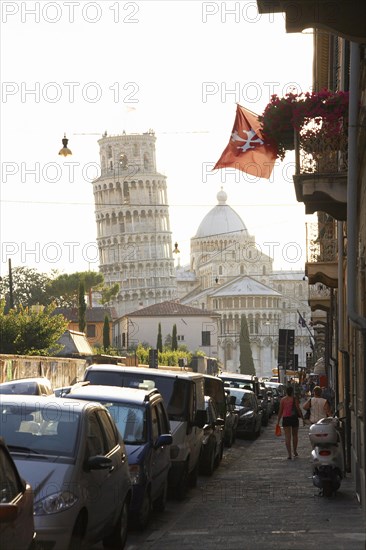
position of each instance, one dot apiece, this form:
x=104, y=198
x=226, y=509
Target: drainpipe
x=352, y=226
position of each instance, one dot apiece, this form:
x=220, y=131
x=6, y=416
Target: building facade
x=336, y=254
x=196, y=329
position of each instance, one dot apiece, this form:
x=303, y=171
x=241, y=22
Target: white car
x=75, y=460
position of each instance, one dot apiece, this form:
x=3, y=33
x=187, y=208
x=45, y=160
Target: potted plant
x=319, y=118
x=278, y=123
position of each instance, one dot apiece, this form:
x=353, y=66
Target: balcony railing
x=319, y=297
x=321, y=242
x=322, y=154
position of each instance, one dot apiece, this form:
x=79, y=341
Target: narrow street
x=256, y=499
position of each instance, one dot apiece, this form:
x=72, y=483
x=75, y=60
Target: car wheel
x=193, y=476
x=77, y=536
x=143, y=517
x=219, y=455
x=229, y=439
x=117, y=539
x=160, y=503
x=181, y=488
x=209, y=465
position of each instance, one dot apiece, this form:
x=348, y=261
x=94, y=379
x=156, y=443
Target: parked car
x=231, y=420
x=75, y=460
x=266, y=401
x=142, y=420
x=215, y=388
x=244, y=381
x=27, y=386
x=278, y=391
x=213, y=439
x=183, y=394
x=275, y=397
x=249, y=412
x=249, y=382
x=16, y=506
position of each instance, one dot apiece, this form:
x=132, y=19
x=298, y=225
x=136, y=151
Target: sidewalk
x=258, y=499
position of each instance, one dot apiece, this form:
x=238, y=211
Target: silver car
x=72, y=454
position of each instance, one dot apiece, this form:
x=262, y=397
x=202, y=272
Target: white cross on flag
x=246, y=150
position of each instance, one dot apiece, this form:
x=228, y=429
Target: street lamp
x=65, y=151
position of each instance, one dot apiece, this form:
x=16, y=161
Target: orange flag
x=246, y=150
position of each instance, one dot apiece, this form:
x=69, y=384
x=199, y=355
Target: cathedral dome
x=220, y=220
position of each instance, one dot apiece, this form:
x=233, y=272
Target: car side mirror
x=163, y=439
x=98, y=462
x=201, y=418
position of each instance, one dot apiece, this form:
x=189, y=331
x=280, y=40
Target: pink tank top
x=287, y=407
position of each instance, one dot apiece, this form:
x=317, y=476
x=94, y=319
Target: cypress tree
x=159, y=342
x=246, y=357
x=106, y=334
x=174, y=338
x=82, y=307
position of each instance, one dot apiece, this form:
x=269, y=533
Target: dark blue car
x=141, y=418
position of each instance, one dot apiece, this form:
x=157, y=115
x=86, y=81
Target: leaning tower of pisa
x=132, y=216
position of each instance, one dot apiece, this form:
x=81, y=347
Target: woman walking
x=319, y=407
x=290, y=412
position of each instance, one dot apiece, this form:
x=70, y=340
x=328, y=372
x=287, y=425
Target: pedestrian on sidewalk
x=290, y=412
x=319, y=407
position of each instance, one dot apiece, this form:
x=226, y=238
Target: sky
x=82, y=68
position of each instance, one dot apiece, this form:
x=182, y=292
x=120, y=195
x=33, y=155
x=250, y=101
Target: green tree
x=30, y=332
x=108, y=293
x=82, y=307
x=159, y=342
x=64, y=289
x=106, y=334
x=174, y=338
x=246, y=357
x=28, y=285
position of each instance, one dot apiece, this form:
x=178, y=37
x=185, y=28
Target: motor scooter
x=327, y=455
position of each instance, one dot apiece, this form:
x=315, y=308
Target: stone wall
x=60, y=371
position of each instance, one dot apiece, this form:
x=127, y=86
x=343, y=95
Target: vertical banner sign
x=286, y=348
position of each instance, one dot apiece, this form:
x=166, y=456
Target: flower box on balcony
x=318, y=118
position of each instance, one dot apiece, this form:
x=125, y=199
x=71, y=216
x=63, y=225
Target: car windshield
x=242, y=399
x=20, y=388
x=130, y=420
x=48, y=431
x=243, y=385
x=175, y=391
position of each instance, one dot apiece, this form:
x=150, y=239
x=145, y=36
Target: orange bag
x=278, y=430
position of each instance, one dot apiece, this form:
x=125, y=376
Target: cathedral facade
x=229, y=274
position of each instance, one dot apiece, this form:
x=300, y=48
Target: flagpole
x=250, y=111
x=302, y=319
